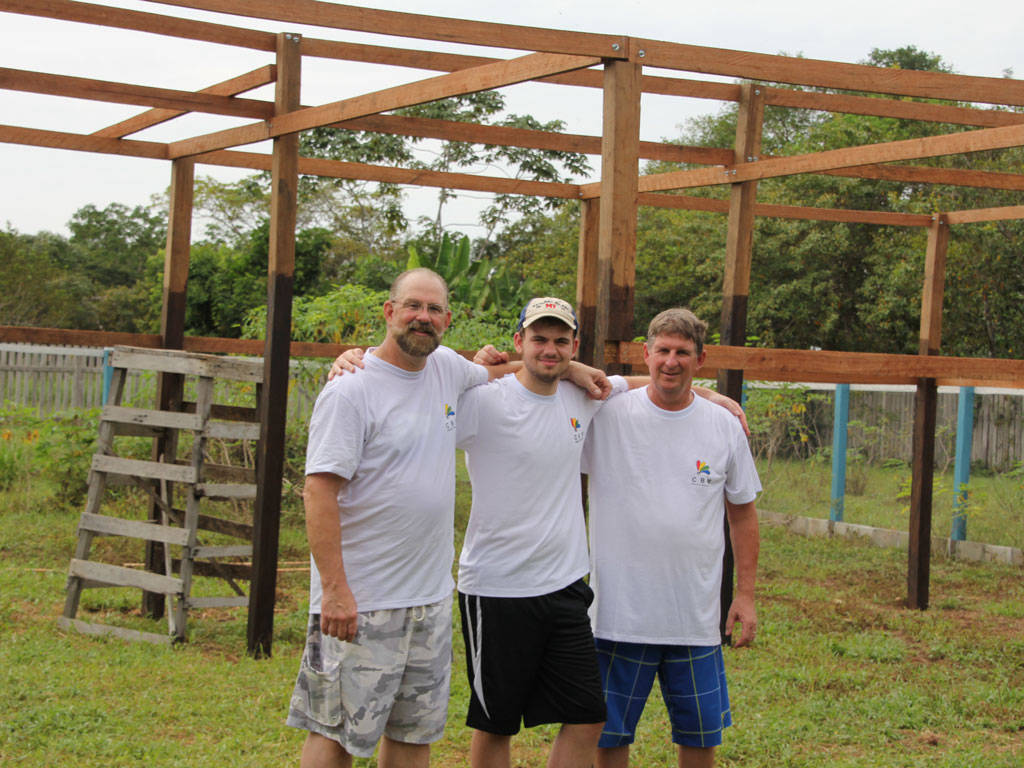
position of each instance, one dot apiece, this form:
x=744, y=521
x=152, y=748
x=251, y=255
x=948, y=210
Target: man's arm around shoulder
x=323, y=529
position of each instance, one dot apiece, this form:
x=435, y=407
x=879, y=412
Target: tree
x=540, y=250
x=111, y=245
x=225, y=283
x=486, y=108
x=41, y=300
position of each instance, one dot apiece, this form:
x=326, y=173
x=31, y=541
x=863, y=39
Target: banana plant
x=482, y=284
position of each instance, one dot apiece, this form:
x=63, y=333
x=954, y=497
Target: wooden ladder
x=175, y=530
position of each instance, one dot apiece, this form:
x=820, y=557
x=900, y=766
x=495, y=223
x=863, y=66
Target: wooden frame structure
x=606, y=275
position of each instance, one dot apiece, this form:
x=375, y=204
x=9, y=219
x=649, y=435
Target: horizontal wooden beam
x=233, y=87
x=712, y=205
x=913, y=174
x=831, y=74
x=464, y=81
x=125, y=93
x=211, y=142
x=203, y=344
x=920, y=174
x=896, y=108
x=986, y=214
x=34, y=137
x=310, y=166
x=565, y=142
x=360, y=19
x=500, y=135
x=140, y=21
x=843, y=367
x=414, y=177
x=837, y=102
x=757, y=363
x=428, y=60
x=475, y=79
x=819, y=162
x=847, y=216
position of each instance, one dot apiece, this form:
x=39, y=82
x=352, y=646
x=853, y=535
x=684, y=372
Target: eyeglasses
x=434, y=310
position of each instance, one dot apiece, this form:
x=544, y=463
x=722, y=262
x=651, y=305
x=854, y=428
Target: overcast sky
x=42, y=188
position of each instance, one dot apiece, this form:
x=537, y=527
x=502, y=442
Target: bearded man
x=379, y=497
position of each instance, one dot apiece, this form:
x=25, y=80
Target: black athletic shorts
x=531, y=660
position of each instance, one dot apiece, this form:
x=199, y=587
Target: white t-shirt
x=658, y=483
x=391, y=434
x=526, y=534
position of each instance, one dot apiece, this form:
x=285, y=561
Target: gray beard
x=417, y=346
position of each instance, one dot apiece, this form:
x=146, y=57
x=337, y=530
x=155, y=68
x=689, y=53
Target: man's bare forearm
x=338, y=610
x=746, y=545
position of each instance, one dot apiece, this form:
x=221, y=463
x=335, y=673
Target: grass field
x=841, y=673
x=880, y=496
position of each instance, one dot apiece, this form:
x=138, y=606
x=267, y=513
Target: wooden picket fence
x=51, y=379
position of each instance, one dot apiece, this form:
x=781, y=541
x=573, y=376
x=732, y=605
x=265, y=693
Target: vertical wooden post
x=273, y=402
x=925, y=402
x=176, y=257
x=616, y=251
x=739, y=244
x=172, y=336
x=740, y=235
x=587, y=279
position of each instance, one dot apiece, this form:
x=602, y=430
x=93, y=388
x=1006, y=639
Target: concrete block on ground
x=972, y=551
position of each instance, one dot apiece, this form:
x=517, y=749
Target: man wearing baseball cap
x=529, y=647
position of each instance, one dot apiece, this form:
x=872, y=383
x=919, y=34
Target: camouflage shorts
x=391, y=680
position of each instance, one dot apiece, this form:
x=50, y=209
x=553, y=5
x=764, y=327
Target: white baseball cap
x=547, y=306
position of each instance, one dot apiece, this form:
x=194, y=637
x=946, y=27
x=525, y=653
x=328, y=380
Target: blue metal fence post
x=839, y=424
x=962, y=468
x=108, y=374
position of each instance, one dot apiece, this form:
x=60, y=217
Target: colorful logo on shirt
x=448, y=411
x=702, y=478
x=575, y=424
x=449, y=418
x=577, y=430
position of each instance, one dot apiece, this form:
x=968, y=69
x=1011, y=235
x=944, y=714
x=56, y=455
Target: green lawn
x=841, y=674
x=880, y=496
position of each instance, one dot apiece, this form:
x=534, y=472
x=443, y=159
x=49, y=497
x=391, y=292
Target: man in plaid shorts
x=657, y=546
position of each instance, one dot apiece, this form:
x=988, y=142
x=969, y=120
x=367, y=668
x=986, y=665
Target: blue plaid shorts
x=692, y=681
